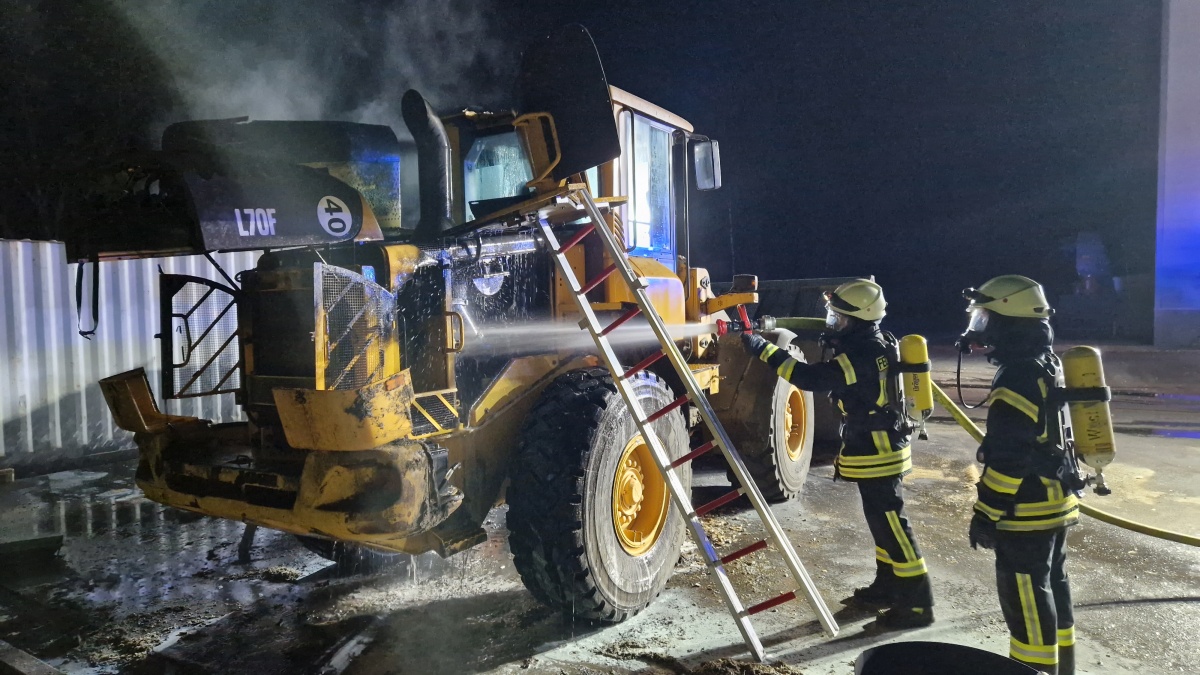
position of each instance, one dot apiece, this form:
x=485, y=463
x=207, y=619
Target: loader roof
x=293, y=142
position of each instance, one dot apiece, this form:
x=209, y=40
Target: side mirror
x=707, y=158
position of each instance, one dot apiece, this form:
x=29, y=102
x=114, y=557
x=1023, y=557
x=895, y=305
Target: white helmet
x=1008, y=295
x=1011, y=295
x=860, y=299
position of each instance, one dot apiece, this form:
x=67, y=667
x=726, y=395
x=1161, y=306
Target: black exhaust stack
x=433, y=165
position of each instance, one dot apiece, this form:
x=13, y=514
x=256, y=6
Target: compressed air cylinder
x=918, y=386
x=1091, y=421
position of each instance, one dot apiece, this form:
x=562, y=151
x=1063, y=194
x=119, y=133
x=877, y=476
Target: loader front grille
x=359, y=318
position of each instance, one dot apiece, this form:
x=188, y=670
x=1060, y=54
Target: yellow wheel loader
x=400, y=382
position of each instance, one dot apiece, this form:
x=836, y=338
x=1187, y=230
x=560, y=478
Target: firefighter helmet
x=1010, y=295
x=860, y=299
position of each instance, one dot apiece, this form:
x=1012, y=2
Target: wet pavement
x=140, y=588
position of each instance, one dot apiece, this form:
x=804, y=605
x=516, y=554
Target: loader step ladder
x=620, y=266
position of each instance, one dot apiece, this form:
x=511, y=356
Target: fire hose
x=970, y=427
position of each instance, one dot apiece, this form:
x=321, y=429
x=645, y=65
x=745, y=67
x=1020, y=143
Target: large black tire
x=775, y=446
x=561, y=526
x=352, y=558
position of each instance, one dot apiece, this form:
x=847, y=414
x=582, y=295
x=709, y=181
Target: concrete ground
x=141, y=588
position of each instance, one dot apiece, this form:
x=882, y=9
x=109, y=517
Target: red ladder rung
x=668, y=408
x=620, y=320
x=718, y=502
x=693, y=455
x=756, y=546
x=576, y=238
x=646, y=363
x=773, y=602
x=599, y=279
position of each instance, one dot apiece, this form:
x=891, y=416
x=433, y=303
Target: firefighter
x=863, y=379
x=1028, y=490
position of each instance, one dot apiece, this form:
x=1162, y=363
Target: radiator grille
x=359, y=319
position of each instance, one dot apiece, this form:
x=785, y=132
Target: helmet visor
x=836, y=302
x=979, y=320
x=975, y=297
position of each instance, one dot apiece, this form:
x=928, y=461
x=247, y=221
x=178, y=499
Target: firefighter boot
x=903, y=618
x=880, y=594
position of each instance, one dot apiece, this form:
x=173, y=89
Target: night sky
x=932, y=144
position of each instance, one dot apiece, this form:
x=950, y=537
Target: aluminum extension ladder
x=680, y=496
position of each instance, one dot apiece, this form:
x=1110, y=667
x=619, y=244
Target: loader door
x=201, y=348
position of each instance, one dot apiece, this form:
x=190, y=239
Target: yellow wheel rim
x=639, y=503
x=795, y=417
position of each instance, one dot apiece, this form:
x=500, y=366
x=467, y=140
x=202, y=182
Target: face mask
x=979, y=320
x=831, y=318
x=976, y=328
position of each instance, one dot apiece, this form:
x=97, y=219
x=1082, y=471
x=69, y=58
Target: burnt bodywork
x=336, y=444
x=236, y=185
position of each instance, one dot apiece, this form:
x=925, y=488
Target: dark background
x=932, y=144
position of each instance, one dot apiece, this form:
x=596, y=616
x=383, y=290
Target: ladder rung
x=646, y=363
x=756, y=546
x=576, y=238
x=773, y=602
x=620, y=320
x=667, y=408
x=599, y=278
x=693, y=455
x=718, y=502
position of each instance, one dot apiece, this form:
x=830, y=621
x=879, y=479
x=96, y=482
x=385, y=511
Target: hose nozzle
x=744, y=324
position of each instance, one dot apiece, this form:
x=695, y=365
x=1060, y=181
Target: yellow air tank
x=918, y=386
x=1091, y=421
x=916, y=382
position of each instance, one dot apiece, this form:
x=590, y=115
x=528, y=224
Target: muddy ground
x=139, y=588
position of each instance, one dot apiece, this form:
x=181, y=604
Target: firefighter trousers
x=1035, y=597
x=898, y=562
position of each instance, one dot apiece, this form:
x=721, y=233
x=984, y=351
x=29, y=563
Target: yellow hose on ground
x=971, y=428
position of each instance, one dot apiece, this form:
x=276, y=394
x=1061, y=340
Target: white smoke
x=325, y=59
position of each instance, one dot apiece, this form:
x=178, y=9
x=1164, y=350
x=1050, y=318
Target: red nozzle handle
x=747, y=327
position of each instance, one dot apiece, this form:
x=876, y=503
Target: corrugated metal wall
x=50, y=405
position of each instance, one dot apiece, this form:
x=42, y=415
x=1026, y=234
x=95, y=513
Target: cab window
x=495, y=167
x=646, y=167
x=593, y=180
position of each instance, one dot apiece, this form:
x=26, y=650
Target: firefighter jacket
x=863, y=380
x=1027, y=483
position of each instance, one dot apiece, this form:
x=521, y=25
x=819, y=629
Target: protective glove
x=754, y=343
x=983, y=532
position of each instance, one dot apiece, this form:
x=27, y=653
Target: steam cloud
x=326, y=59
